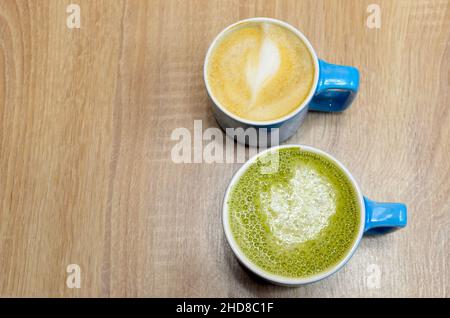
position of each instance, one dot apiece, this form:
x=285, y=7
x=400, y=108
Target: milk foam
x=296, y=213
x=260, y=71
x=265, y=66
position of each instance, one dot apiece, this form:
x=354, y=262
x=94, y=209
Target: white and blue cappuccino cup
x=333, y=90
x=375, y=218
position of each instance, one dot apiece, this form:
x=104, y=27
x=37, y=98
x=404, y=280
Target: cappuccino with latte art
x=260, y=71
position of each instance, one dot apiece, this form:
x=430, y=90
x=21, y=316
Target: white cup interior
x=299, y=107
x=281, y=280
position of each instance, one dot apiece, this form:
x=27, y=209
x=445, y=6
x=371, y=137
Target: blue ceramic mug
x=375, y=217
x=333, y=90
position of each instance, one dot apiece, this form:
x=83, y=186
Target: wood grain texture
x=86, y=175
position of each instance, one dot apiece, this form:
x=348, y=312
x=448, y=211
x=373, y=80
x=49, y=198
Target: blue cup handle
x=336, y=89
x=384, y=217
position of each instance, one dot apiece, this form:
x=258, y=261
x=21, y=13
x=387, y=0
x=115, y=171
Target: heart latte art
x=298, y=221
x=260, y=71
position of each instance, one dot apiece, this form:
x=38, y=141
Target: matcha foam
x=296, y=222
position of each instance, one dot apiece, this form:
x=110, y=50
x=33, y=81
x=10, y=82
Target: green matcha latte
x=298, y=221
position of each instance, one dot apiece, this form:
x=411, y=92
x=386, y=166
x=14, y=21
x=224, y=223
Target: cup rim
x=278, y=279
x=299, y=108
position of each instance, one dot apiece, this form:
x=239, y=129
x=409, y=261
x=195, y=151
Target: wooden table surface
x=86, y=117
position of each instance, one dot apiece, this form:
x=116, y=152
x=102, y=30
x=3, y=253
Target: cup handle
x=336, y=89
x=384, y=217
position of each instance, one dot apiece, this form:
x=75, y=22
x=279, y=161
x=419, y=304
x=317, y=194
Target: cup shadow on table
x=305, y=129
x=247, y=278
x=254, y=284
